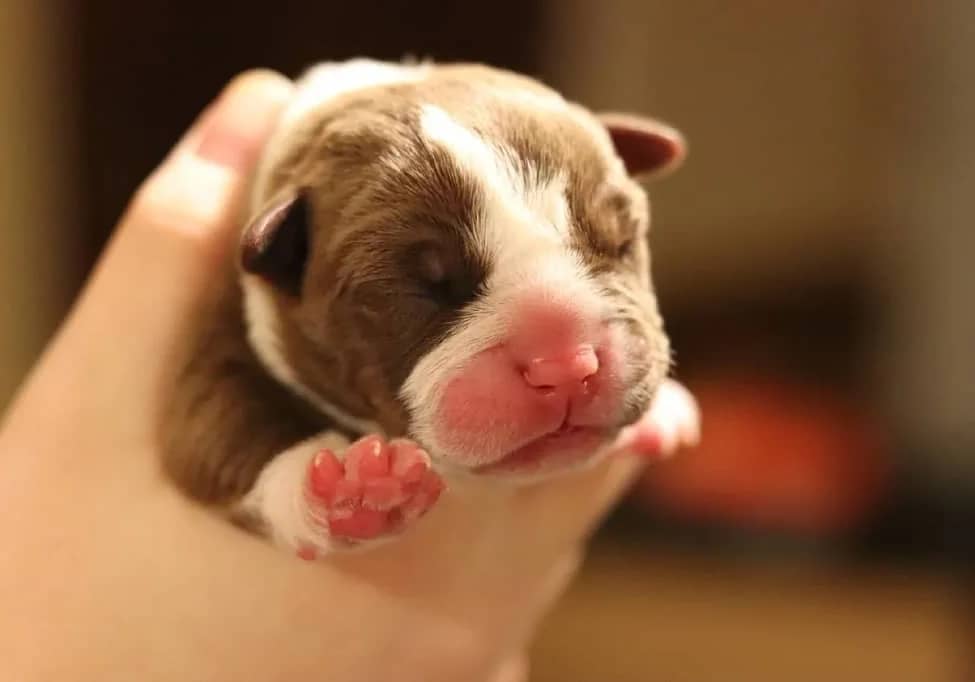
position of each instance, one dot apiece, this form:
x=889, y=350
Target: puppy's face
x=459, y=255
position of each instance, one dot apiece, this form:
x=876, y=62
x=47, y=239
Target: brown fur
x=368, y=310
x=226, y=417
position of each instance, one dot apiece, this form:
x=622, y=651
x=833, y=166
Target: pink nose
x=560, y=371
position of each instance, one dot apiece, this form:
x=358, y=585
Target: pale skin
x=109, y=573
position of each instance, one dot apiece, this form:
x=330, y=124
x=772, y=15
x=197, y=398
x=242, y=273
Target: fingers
x=676, y=416
x=671, y=424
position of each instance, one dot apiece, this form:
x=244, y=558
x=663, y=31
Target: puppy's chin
x=553, y=455
x=568, y=450
x=547, y=454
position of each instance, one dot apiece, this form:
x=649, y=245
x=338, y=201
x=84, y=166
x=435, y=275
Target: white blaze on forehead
x=515, y=209
x=523, y=230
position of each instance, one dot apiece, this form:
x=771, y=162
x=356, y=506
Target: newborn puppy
x=452, y=257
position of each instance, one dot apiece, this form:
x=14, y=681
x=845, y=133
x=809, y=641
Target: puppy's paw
x=374, y=490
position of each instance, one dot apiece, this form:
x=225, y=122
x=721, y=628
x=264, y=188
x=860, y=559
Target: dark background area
x=148, y=68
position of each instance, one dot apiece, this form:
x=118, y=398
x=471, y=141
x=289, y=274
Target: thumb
x=174, y=236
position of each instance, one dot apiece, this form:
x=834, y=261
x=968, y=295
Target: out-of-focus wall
x=929, y=259
x=775, y=100
x=828, y=142
x=37, y=268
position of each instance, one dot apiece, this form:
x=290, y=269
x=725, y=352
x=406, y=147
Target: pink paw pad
x=375, y=490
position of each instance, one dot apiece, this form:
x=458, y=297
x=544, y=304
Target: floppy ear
x=274, y=245
x=648, y=148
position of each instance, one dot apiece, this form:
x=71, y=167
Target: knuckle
x=187, y=200
x=170, y=200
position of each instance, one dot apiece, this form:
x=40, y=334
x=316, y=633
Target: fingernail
x=241, y=118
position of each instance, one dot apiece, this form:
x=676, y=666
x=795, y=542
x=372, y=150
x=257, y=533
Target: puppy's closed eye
x=442, y=275
x=626, y=247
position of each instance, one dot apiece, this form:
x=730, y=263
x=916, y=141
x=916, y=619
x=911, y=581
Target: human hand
x=109, y=571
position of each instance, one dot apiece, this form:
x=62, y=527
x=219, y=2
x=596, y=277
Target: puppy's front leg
x=325, y=493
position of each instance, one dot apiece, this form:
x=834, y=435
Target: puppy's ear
x=275, y=243
x=648, y=148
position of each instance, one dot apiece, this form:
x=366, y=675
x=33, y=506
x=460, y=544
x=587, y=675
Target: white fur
x=516, y=207
x=324, y=82
x=523, y=232
x=548, y=101
x=278, y=496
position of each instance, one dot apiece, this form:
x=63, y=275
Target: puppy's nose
x=560, y=371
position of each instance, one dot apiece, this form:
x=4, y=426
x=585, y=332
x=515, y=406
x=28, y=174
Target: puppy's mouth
x=566, y=446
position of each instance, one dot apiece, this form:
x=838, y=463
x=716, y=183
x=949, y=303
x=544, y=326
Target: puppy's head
x=457, y=254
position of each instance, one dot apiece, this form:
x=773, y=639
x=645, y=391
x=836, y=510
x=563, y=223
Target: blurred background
x=813, y=259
